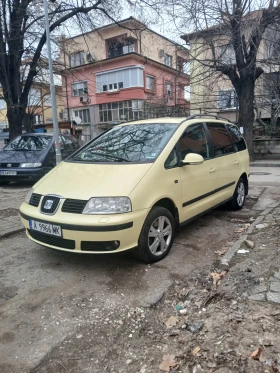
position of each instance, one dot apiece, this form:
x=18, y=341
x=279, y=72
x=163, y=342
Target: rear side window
x=221, y=139
x=237, y=139
x=194, y=140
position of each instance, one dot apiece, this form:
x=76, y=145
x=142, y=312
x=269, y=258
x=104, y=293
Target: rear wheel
x=239, y=196
x=157, y=235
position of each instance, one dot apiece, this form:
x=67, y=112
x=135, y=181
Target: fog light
x=112, y=245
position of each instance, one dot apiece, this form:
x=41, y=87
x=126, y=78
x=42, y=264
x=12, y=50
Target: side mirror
x=192, y=159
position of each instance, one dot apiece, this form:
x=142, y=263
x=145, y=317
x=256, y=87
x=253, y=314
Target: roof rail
x=207, y=115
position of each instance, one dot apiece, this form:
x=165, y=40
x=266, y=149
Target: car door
x=224, y=156
x=197, y=181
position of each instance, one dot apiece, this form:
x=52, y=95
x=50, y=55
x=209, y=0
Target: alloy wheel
x=160, y=235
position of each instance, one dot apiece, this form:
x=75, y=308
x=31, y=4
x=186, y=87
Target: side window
x=68, y=142
x=221, y=140
x=237, y=139
x=172, y=160
x=194, y=140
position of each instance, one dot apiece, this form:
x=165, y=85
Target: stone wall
x=267, y=149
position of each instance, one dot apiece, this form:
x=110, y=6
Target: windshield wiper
x=111, y=156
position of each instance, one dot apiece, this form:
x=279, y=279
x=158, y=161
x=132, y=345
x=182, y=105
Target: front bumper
x=22, y=174
x=87, y=234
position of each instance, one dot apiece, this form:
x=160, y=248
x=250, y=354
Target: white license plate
x=8, y=173
x=53, y=230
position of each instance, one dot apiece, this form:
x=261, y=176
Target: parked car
x=136, y=184
x=31, y=156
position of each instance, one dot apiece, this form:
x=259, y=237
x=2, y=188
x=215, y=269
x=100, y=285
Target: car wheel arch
x=245, y=178
x=170, y=206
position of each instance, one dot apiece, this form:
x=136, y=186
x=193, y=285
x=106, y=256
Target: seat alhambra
x=136, y=184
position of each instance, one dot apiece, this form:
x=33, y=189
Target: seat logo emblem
x=48, y=204
x=9, y=165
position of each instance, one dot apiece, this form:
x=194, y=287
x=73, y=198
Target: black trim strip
x=207, y=194
x=204, y=212
x=84, y=228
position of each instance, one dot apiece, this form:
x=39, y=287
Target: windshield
x=29, y=143
x=132, y=143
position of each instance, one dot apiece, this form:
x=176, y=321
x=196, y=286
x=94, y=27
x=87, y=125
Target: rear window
x=36, y=143
x=138, y=143
x=237, y=139
x=221, y=140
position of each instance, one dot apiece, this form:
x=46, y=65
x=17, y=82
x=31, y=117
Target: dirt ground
x=68, y=313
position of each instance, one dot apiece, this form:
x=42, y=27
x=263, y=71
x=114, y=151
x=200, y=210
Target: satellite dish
x=77, y=120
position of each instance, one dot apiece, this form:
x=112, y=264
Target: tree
x=226, y=42
x=22, y=35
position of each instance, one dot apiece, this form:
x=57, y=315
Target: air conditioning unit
x=83, y=100
x=161, y=52
x=90, y=57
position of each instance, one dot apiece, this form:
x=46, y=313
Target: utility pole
x=52, y=87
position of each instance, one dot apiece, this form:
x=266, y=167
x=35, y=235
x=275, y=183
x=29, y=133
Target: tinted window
x=130, y=143
x=172, y=160
x=221, y=140
x=194, y=141
x=68, y=142
x=29, y=143
x=237, y=139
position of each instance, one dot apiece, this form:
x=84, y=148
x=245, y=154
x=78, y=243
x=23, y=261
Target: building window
x=227, y=54
x=150, y=82
x=180, y=92
x=77, y=59
x=83, y=114
x=34, y=97
x=121, y=111
x=119, y=47
x=79, y=88
x=47, y=100
x=168, y=88
x=227, y=99
x=273, y=49
x=37, y=119
x=118, y=79
x=2, y=104
x=167, y=60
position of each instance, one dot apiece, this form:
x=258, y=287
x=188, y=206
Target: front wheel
x=239, y=196
x=157, y=235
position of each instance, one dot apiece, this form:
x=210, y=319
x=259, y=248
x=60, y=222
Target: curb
x=225, y=260
x=7, y=234
x=264, y=164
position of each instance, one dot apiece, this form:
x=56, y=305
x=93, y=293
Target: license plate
x=8, y=173
x=53, y=230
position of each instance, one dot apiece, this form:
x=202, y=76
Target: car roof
x=180, y=120
x=37, y=134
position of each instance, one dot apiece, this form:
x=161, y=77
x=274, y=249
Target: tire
x=239, y=196
x=153, y=245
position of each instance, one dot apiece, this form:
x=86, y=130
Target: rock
x=198, y=369
x=258, y=297
x=261, y=226
x=275, y=286
x=251, y=219
x=273, y=297
x=195, y=327
x=183, y=311
x=277, y=275
x=260, y=289
x=250, y=244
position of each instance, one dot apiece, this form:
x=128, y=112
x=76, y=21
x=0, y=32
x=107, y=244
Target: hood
x=83, y=181
x=21, y=156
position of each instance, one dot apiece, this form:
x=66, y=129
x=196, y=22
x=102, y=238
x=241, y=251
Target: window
x=227, y=54
x=77, y=59
x=34, y=97
x=237, y=139
x=194, y=141
x=274, y=49
x=37, y=119
x=119, y=47
x=221, y=140
x=167, y=60
x=121, y=78
x=180, y=92
x=2, y=104
x=227, y=99
x=150, y=82
x=172, y=160
x=83, y=114
x=47, y=100
x=168, y=88
x=182, y=65
x=121, y=111
x=29, y=143
x=79, y=88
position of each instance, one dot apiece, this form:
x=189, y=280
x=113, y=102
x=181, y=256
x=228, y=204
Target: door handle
x=236, y=162
x=212, y=170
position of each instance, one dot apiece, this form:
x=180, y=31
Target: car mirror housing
x=192, y=159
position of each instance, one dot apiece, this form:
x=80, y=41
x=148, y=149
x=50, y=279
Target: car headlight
x=108, y=205
x=31, y=165
x=28, y=195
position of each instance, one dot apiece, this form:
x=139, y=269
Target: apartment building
x=122, y=72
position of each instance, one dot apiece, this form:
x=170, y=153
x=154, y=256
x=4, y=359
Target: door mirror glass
x=192, y=159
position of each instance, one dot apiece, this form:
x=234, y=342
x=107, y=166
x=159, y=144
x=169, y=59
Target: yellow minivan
x=135, y=185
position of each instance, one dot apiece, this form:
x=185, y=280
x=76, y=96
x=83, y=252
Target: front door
x=197, y=181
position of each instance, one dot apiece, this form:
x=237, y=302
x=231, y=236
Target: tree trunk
x=246, y=112
x=15, y=115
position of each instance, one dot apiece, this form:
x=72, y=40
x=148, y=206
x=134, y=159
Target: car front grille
x=74, y=206
x=55, y=202
x=99, y=245
x=52, y=240
x=5, y=165
x=35, y=199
